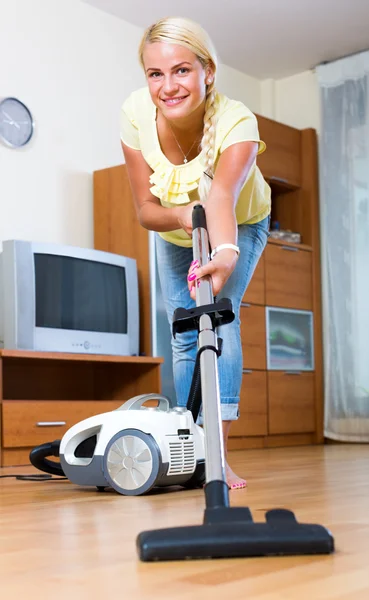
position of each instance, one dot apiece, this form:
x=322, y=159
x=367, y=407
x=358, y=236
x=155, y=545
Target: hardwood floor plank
x=58, y=539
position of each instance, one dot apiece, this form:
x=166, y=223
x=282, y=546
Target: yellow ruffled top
x=177, y=184
x=173, y=183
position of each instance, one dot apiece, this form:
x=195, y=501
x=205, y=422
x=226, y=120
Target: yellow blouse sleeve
x=128, y=127
x=244, y=130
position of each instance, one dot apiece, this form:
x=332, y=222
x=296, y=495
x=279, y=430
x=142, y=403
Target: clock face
x=16, y=123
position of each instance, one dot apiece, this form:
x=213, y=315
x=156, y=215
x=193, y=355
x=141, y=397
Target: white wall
x=297, y=101
x=267, y=98
x=292, y=100
x=73, y=65
x=239, y=86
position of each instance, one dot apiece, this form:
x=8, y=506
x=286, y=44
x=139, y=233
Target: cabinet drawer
x=29, y=423
x=288, y=277
x=281, y=161
x=291, y=402
x=253, y=336
x=255, y=292
x=253, y=418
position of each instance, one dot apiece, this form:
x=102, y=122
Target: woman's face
x=176, y=78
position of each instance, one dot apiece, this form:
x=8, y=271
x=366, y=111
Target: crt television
x=57, y=298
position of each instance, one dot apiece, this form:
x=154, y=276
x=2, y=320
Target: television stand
x=42, y=394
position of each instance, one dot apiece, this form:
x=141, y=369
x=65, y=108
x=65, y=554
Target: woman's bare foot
x=234, y=482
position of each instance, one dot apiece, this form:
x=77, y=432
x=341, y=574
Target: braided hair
x=208, y=143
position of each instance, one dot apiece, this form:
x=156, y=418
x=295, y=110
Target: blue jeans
x=173, y=264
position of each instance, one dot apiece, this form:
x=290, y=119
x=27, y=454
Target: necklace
x=179, y=145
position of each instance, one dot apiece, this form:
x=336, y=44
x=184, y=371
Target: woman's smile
x=173, y=101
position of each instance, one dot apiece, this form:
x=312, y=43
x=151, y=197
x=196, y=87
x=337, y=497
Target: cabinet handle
x=292, y=373
x=50, y=423
x=290, y=248
x=247, y=371
x=280, y=179
x=245, y=304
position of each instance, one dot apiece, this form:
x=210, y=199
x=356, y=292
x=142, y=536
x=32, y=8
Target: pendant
x=185, y=160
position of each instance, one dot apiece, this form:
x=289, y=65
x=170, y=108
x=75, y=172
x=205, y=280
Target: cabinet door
x=255, y=292
x=253, y=418
x=288, y=277
x=253, y=336
x=281, y=162
x=291, y=402
x=29, y=423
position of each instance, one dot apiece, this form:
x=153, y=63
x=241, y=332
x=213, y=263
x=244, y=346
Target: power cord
x=35, y=477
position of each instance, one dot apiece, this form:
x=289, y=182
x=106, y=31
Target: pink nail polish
x=191, y=277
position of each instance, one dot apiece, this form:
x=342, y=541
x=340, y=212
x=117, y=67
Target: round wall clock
x=16, y=123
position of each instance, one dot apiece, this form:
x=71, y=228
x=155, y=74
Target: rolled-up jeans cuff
x=229, y=412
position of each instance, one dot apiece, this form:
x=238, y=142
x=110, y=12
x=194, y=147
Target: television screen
x=78, y=294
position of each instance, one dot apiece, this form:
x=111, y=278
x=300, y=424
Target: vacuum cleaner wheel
x=131, y=462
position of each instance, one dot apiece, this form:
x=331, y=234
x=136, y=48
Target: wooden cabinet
x=288, y=276
x=117, y=230
x=42, y=394
x=253, y=336
x=291, y=402
x=253, y=420
x=281, y=162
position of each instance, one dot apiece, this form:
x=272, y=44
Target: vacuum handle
x=216, y=489
x=165, y=404
x=198, y=217
x=201, y=252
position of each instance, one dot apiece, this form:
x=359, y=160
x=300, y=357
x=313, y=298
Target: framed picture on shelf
x=290, y=339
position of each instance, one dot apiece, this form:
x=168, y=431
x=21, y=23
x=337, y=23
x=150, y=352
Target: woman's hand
x=185, y=217
x=219, y=269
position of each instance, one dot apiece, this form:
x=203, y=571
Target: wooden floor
x=58, y=540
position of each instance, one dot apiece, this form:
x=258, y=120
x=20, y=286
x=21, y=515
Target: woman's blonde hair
x=187, y=33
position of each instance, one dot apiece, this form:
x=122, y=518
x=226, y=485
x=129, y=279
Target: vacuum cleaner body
x=135, y=448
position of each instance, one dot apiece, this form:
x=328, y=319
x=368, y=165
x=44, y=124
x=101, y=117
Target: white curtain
x=344, y=194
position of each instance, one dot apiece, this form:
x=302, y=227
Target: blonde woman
x=183, y=143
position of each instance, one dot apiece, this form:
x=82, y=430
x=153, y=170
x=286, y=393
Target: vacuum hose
x=38, y=458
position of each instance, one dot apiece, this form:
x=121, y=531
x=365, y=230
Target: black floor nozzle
x=235, y=534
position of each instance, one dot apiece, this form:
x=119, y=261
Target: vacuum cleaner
x=135, y=448
x=131, y=449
